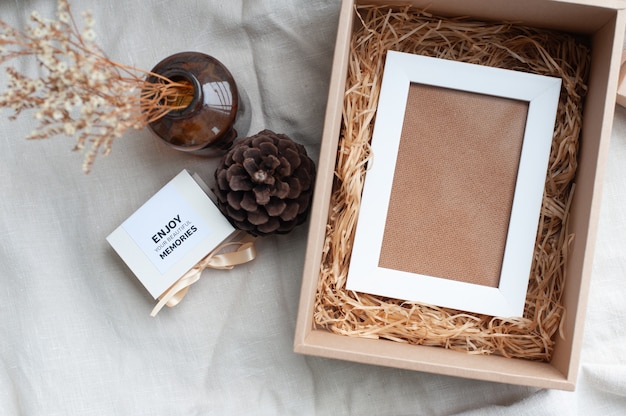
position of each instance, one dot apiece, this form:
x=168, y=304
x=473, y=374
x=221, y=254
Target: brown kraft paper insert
x=453, y=185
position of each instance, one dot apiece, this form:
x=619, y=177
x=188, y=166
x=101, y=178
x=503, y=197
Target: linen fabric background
x=76, y=337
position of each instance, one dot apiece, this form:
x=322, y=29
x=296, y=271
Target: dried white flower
x=89, y=35
x=64, y=17
x=69, y=128
x=88, y=19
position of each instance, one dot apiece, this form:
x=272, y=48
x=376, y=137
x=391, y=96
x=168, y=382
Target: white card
x=170, y=233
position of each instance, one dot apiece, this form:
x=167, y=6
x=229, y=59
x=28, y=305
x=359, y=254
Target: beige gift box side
x=604, y=22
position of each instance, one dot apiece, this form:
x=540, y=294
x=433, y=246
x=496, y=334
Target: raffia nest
x=502, y=45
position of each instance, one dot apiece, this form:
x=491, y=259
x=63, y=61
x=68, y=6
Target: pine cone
x=265, y=184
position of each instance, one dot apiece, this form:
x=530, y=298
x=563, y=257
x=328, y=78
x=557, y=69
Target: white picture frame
x=508, y=298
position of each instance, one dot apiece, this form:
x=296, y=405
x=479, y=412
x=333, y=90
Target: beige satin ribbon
x=245, y=252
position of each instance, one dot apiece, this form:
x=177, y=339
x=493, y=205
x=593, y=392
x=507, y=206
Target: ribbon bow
x=225, y=261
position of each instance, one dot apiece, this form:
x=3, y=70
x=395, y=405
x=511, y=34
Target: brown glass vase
x=216, y=115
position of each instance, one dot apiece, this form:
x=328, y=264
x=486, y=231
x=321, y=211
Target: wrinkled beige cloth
x=76, y=337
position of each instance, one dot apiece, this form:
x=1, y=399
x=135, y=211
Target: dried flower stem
x=82, y=93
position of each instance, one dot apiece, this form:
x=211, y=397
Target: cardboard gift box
x=603, y=23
